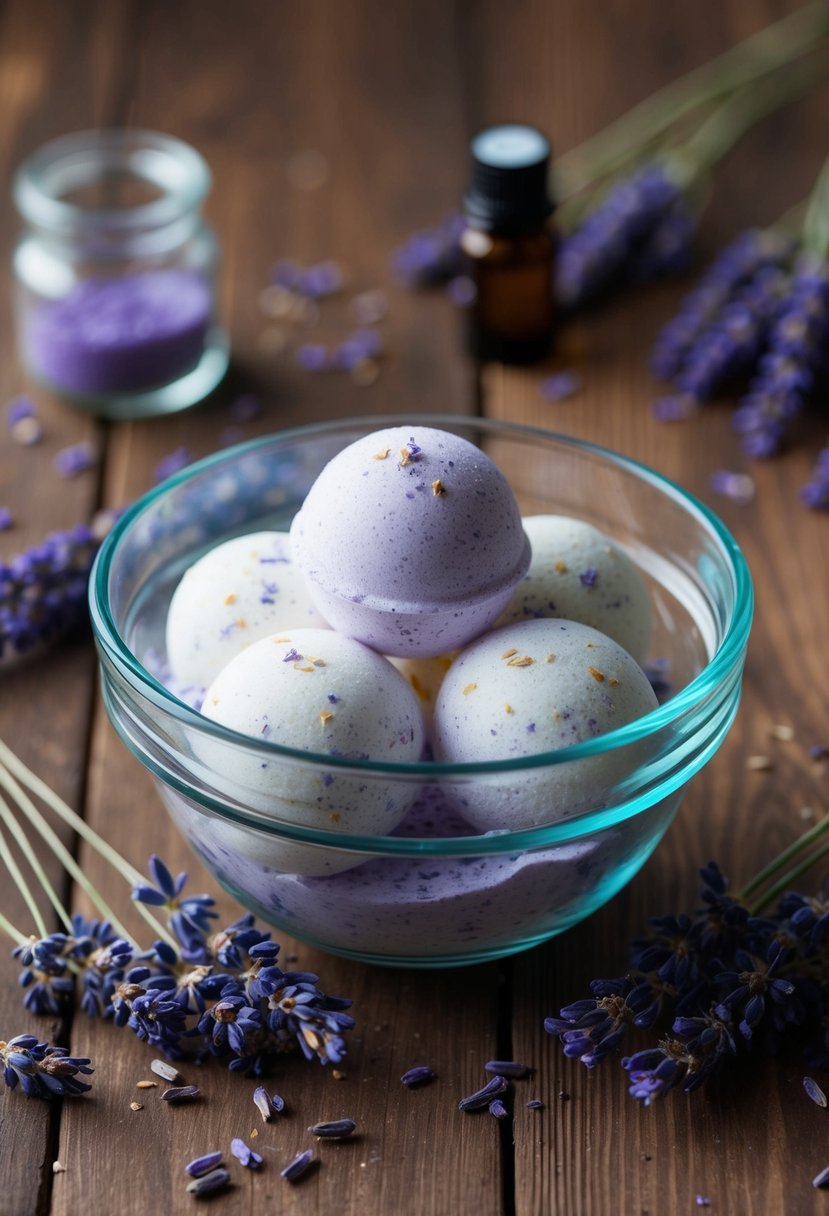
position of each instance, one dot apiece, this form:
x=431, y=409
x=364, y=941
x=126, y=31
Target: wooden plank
x=45, y=700
x=250, y=113
x=597, y=1151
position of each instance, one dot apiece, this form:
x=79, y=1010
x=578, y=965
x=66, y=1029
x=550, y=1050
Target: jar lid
x=509, y=186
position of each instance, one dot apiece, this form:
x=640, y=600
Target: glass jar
x=115, y=273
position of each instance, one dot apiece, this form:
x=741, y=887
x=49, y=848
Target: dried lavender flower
x=167, y=1072
x=477, y=1101
x=296, y=1168
x=244, y=1153
x=41, y=1070
x=203, y=1165
x=181, y=1093
x=267, y=1104
x=497, y=1109
x=336, y=1129
x=535, y=1104
x=76, y=458
x=507, y=1068
x=418, y=1075
x=559, y=386
x=208, y=1184
x=814, y=1091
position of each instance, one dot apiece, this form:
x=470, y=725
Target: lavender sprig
x=41, y=1070
x=43, y=590
x=718, y=982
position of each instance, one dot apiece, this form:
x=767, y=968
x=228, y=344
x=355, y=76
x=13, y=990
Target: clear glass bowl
x=433, y=893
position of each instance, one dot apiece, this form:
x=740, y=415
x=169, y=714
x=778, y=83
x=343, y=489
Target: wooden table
x=388, y=94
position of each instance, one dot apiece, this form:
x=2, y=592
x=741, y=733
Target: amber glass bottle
x=509, y=245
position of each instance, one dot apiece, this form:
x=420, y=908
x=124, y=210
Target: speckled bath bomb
x=411, y=541
x=316, y=691
x=237, y=593
x=579, y=574
x=531, y=688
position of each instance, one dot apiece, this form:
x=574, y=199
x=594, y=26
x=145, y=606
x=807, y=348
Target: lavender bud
x=418, y=1075
x=507, y=1068
x=208, y=1183
x=483, y=1097
x=334, y=1130
x=244, y=1153
x=201, y=1165
x=298, y=1166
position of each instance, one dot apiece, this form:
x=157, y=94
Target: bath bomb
x=237, y=593
x=580, y=574
x=411, y=541
x=434, y=908
x=532, y=688
x=320, y=692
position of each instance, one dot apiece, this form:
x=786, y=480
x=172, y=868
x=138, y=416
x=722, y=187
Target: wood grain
x=385, y=97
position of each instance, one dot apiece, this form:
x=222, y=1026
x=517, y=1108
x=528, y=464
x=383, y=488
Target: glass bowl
x=433, y=893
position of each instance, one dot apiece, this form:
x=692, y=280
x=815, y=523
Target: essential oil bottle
x=509, y=245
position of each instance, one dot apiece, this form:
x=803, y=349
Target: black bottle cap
x=510, y=178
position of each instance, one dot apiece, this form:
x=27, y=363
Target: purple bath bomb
x=411, y=541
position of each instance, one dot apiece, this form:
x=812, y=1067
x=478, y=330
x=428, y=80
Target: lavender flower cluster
x=217, y=993
x=723, y=981
x=43, y=590
x=753, y=316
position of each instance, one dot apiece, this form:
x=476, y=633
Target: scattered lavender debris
x=674, y=409
x=20, y=407
x=208, y=1184
x=739, y=487
x=477, y=1101
x=75, y=459
x=296, y=1168
x=418, y=1075
x=431, y=256
x=246, y=408
x=497, y=1109
x=336, y=1129
x=535, y=1104
x=822, y=1179
x=461, y=291
x=6, y=519
x=702, y=1201
x=313, y=357
x=167, y=1072
x=560, y=386
x=507, y=1068
x=172, y=463
x=244, y=1153
x=181, y=1093
x=819, y=751
x=589, y=577
x=267, y=1104
x=814, y=1091
x=203, y=1165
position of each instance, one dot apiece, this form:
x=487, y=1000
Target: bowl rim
x=713, y=675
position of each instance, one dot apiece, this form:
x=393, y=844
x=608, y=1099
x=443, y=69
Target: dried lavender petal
x=267, y=1103
x=168, y=1072
x=497, y=1109
x=74, y=459
x=181, y=1093
x=418, y=1075
x=702, y=1201
x=202, y=1165
x=559, y=386
x=6, y=519
x=483, y=1097
x=822, y=1179
x=298, y=1166
x=507, y=1068
x=535, y=1104
x=336, y=1129
x=814, y=1091
x=244, y=1153
x=208, y=1183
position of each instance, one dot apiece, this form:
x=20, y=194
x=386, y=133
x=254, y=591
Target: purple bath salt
x=121, y=335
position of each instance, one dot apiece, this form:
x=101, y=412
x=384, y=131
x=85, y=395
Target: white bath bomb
x=579, y=574
x=237, y=593
x=316, y=691
x=532, y=688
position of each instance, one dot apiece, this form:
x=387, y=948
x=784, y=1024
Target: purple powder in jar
x=121, y=335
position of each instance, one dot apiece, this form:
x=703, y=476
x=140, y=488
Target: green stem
x=15, y=934
x=23, y=887
x=788, y=878
x=59, y=849
x=742, y=65
x=65, y=812
x=739, y=113
x=31, y=856
x=52, y=800
x=815, y=236
x=783, y=858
